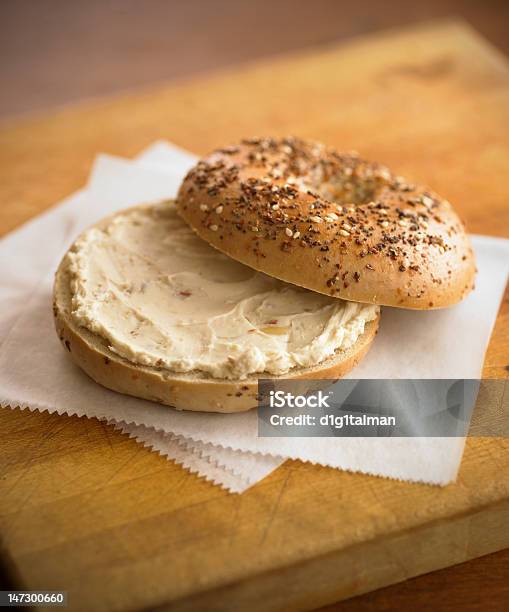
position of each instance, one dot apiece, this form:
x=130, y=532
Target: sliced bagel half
x=105, y=359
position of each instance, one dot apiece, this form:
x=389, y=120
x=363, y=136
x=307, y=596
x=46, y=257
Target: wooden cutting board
x=86, y=510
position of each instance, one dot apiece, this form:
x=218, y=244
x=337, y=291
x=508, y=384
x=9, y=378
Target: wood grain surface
x=89, y=511
x=55, y=52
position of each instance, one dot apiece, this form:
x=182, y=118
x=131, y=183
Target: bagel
x=330, y=222
x=144, y=264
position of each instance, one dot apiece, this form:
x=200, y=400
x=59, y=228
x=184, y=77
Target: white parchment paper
x=35, y=372
x=232, y=470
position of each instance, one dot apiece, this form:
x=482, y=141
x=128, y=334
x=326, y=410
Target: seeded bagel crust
x=330, y=222
x=192, y=391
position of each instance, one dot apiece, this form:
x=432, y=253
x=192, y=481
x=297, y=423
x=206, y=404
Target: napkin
x=439, y=344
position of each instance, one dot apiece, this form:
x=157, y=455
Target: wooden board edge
x=98, y=102
x=339, y=575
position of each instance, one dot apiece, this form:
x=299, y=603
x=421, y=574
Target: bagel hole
x=350, y=191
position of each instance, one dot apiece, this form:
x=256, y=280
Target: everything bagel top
x=330, y=222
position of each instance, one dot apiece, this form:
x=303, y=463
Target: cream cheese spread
x=160, y=296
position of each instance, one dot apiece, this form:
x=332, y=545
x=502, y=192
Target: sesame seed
x=424, y=225
x=343, y=232
x=382, y=211
x=333, y=216
x=351, y=209
x=254, y=228
x=296, y=235
x=418, y=247
x=347, y=227
x=316, y=219
x=288, y=232
x=402, y=222
x=219, y=210
x=385, y=224
x=426, y=200
x=340, y=208
x=214, y=227
x=204, y=207
x=275, y=207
